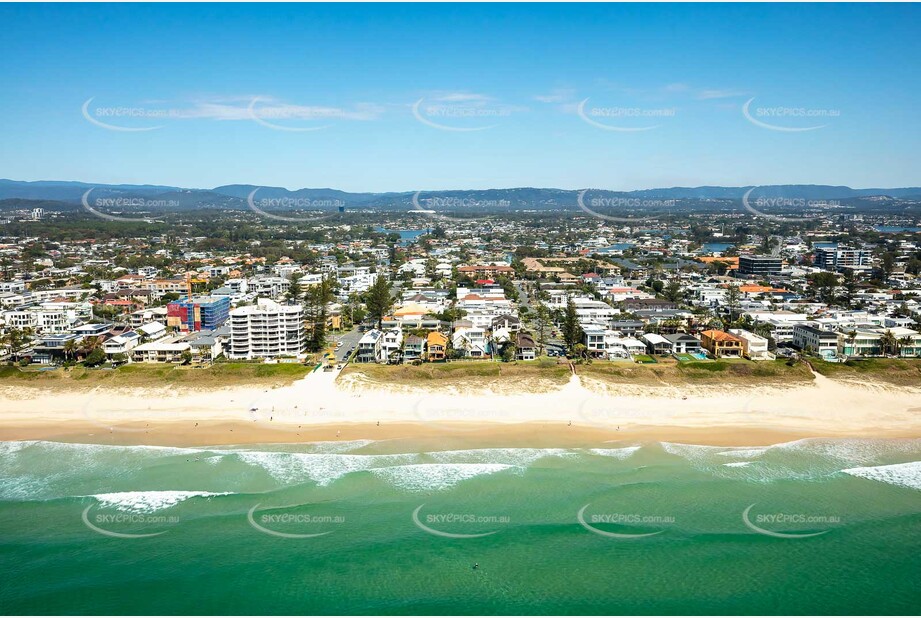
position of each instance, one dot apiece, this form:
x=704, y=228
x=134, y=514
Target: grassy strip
x=726, y=371
x=472, y=373
x=897, y=371
x=143, y=375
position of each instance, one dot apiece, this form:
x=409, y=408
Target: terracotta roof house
x=437, y=345
x=721, y=344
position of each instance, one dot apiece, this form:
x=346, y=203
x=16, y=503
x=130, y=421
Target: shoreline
x=583, y=412
x=530, y=435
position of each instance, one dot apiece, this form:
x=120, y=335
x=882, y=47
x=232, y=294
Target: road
x=349, y=341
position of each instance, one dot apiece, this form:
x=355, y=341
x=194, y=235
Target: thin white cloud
x=238, y=108
x=559, y=95
x=719, y=94
x=460, y=97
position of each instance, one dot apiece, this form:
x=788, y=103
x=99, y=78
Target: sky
x=408, y=97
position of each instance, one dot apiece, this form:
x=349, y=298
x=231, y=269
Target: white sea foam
x=433, y=477
x=508, y=456
x=617, y=453
x=851, y=450
x=335, y=446
x=321, y=468
x=149, y=501
x=12, y=447
x=903, y=474
x=698, y=452
x=693, y=453
x=738, y=464
x=744, y=452
x=24, y=487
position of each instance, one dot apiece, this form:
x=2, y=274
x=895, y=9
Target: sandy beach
x=583, y=412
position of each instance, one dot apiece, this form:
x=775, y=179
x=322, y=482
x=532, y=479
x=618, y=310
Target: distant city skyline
x=377, y=98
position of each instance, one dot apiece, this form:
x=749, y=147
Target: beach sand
x=582, y=413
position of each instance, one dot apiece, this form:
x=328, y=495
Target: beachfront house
x=821, y=342
x=392, y=345
x=525, y=349
x=413, y=349
x=369, y=347
x=721, y=344
x=121, y=344
x=471, y=342
x=657, y=344
x=166, y=350
x=683, y=343
x=754, y=347
x=437, y=346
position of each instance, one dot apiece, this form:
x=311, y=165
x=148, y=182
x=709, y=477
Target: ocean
x=391, y=527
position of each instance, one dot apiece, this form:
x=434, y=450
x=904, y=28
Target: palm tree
x=70, y=348
x=905, y=342
x=17, y=339
x=851, y=337
x=888, y=343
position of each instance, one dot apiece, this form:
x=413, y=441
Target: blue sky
x=423, y=97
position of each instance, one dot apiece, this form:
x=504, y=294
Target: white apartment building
x=239, y=286
x=591, y=311
x=754, y=346
x=65, y=293
x=781, y=322
x=356, y=284
x=608, y=344
x=271, y=287
x=13, y=286
x=482, y=306
x=144, y=316
x=49, y=318
x=266, y=330
x=822, y=342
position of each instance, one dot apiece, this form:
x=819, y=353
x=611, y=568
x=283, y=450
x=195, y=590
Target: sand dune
x=319, y=404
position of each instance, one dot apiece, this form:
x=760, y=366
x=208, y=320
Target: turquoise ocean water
x=390, y=527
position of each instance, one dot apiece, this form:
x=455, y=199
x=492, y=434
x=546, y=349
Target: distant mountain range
x=168, y=198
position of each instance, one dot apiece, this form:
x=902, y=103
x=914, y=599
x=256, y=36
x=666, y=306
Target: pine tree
x=378, y=300
x=572, y=332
